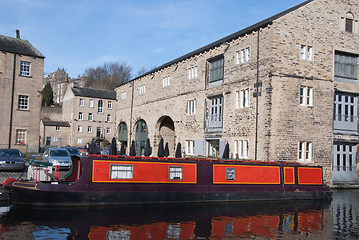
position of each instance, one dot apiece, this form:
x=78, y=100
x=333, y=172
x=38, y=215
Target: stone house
x=283, y=89
x=21, y=75
x=90, y=113
x=54, y=133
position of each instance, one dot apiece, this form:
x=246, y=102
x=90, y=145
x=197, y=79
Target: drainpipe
x=12, y=100
x=257, y=91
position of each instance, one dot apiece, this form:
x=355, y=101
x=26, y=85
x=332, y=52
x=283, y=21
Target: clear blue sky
x=77, y=34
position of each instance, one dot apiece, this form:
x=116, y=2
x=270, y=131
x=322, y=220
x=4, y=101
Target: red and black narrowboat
x=115, y=180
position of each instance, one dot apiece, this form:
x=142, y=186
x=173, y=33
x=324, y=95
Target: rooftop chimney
x=17, y=34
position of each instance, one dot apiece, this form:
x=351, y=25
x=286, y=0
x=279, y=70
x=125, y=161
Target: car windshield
x=10, y=153
x=59, y=153
x=73, y=150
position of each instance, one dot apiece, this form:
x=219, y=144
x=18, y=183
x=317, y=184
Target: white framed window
x=81, y=102
x=79, y=128
x=100, y=106
x=23, y=102
x=191, y=107
x=109, y=105
x=306, y=96
x=81, y=117
x=142, y=89
x=90, y=117
x=57, y=128
x=189, y=147
x=108, y=130
x=25, y=68
x=123, y=95
x=305, y=151
x=306, y=52
x=89, y=129
x=175, y=173
x=243, y=55
x=21, y=136
x=91, y=103
x=241, y=149
x=79, y=140
x=243, y=98
x=108, y=119
x=121, y=171
x=166, y=81
x=192, y=72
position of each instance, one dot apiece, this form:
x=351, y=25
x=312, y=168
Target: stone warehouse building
x=284, y=89
x=21, y=75
x=90, y=114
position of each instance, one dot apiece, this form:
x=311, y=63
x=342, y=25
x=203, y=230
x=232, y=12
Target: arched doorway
x=166, y=129
x=141, y=133
x=123, y=135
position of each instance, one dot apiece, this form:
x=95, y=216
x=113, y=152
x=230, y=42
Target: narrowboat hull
x=90, y=190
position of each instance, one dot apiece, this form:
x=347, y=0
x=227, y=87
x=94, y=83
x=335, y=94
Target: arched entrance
x=123, y=135
x=141, y=133
x=166, y=129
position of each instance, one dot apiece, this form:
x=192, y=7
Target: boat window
x=119, y=171
x=175, y=173
x=230, y=174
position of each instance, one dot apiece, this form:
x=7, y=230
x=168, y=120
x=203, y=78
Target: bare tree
x=109, y=76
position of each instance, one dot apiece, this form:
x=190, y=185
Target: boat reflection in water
x=192, y=221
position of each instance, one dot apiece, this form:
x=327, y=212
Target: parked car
x=57, y=156
x=73, y=151
x=11, y=160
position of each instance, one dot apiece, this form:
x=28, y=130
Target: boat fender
x=8, y=180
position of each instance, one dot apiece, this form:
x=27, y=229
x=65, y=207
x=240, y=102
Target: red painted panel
x=144, y=172
x=247, y=174
x=309, y=175
x=289, y=175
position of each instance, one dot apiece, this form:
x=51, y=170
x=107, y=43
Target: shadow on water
x=187, y=221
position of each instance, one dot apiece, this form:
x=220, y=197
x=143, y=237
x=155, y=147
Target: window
x=21, y=136
x=175, y=173
x=80, y=116
x=91, y=103
x=100, y=106
x=305, y=151
x=243, y=55
x=81, y=102
x=109, y=105
x=108, y=130
x=57, y=128
x=345, y=67
x=241, y=149
x=191, y=107
x=242, y=100
x=108, y=118
x=79, y=140
x=23, y=103
x=123, y=95
x=142, y=89
x=306, y=52
x=230, y=174
x=345, y=112
x=89, y=129
x=189, y=147
x=165, y=81
x=349, y=22
x=216, y=69
x=306, y=96
x=79, y=128
x=90, y=117
x=98, y=132
x=118, y=171
x=192, y=72
x=215, y=114
x=24, y=68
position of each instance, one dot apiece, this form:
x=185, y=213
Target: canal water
x=336, y=219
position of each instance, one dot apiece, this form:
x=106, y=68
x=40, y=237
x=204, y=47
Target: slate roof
x=94, y=93
x=235, y=35
x=19, y=46
x=56, y=123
